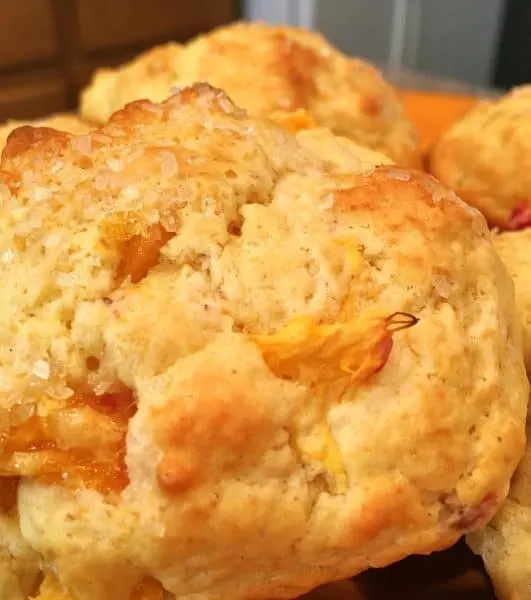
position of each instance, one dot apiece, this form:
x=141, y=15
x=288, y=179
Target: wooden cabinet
x=48, y=48
x=27, y=33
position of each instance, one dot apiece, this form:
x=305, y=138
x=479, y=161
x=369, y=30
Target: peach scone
x=239, y=362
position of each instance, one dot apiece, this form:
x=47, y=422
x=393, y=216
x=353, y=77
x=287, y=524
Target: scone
x=505, y=544
x=339, y=590
x=514, y=248
x=60, y=121
x=486, y=159
x=265, y=68
x=239, y=362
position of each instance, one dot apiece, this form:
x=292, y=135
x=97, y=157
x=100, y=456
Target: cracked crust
x=268, y=68
x=505, y=544
x=486, y=156
x=206, y=291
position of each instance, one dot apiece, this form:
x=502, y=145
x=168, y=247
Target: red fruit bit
x=396, y=322
x=474, y=517
x=520, y=217
x=384, y=350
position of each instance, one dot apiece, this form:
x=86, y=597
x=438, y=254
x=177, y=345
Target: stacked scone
x=486, y=157
x=505, y=544
x=243, y=356
x=267, y=69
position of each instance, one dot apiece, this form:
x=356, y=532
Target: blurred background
x=48, y=48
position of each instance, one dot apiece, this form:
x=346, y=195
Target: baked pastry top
x=241, y=362
x=265, y=68
x=486, y=158
x=61, y=121
x=505, y=544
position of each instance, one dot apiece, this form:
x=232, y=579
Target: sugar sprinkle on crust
x=265, y=69
x=201, y=383
x=505, y=543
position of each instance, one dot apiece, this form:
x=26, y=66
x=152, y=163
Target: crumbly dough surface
x=505, y=544
x=266, y=68
x=240, y=362
x=514, y=248
x=486, y=158
x=60, y=121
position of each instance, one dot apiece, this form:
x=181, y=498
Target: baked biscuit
x=505, y=544
x=266, y=68
x=237, y=366
x=63, y=122
x=514, y=248
x=486, y=159
x=340, y=590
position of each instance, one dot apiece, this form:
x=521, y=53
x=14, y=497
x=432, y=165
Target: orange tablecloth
x=433, y=113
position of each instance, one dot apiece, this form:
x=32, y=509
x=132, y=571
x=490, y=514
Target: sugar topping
x=41, y=369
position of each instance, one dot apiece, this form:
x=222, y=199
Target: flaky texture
x=505, y=544
x=339, y=590
x=20, y=565
x=60, y=121
x=514, y=248
x=265, y=68
x=486, y=156
x=206, y=386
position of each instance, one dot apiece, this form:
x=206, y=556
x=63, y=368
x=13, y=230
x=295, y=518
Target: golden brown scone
x=505, y=544
x=240, y=366
x=20, y=565
x=60, y=121
x=486, y=159
x=514, y=247
x=340, y=147
x=340, y=590
x=267, y=68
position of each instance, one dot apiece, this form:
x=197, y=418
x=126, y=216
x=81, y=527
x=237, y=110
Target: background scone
x=486, y=159
x=514, y=247
x=266, y=68
x=505, y=544
x=60, y=121
x=238, y=366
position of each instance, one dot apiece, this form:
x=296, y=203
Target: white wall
x=361, y=27
x=293, y=12
x=454, y=38
x=460, y=38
